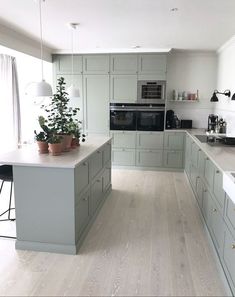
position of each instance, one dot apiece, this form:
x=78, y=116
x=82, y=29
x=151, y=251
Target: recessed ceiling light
x=136, y=46
x=174, y=9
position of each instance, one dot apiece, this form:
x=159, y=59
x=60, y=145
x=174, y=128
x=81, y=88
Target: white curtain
x=10, y=132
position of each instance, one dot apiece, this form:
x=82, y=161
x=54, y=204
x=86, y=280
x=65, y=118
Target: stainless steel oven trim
x=139, y=91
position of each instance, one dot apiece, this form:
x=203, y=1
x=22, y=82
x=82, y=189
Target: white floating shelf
x=183, y=101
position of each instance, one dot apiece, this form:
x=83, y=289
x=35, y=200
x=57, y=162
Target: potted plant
x=76, y=132
x=55, y=145
x=41, y=139
x=60, y=115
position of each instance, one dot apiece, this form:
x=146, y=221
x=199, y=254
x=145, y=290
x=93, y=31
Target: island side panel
x=44, y=200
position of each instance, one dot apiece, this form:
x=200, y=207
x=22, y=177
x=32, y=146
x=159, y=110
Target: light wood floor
x=147, y=240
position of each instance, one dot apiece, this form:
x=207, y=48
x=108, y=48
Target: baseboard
x=148, y=168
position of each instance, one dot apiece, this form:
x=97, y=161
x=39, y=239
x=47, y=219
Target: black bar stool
x=6, y=175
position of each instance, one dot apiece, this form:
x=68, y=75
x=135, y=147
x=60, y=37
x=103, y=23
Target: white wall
x=226, y=80
x=189, y=71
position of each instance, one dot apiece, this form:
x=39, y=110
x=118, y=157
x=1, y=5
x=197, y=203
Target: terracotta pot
x=55, y=149
x=75, y=143
x=43, y=147
x=66, y=142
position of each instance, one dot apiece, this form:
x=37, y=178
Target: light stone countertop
x=29, y=156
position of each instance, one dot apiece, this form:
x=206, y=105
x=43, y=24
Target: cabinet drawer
x=218, y=189
x=123, y=157
x=81, y=177
x=173, y=159
x=217, y=228
x=107, y=153
x=199, y=190
x=201, y=163
x=193, y=176
x=207, y=208
x=195, y=154
x=209, y=172
x=174, y=140
x=123, y=139
x=150, y=140
x=230, y=213
x=106, y=177
x=96, y=163
x=96, y=194
x=149, y=158
x=96, y=64
x=229, y=255
x=82, y=213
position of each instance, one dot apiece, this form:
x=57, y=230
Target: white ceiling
x=118, y=25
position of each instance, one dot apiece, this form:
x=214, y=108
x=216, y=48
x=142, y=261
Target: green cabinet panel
x=209, y=172
x=173, y=159
x=207, y=208
x=123, y=139
x=96, y=163
x=82, y=213
x=96, y=193
x=174, y=140
x=195, y=154
x=150, y=140
x=229, y=256
x=152, y=63
x=193, y=176
x=123, y=88
x=230, y=214
x=199, y=191
x=201, y=163
x=63, y=64
x=217, y=229
x=188, y=154
x=218, y=188
x=81, y=177
x=96, y=98
x=96, y=64
x=149, y=158
x=107, y=153
x=124, y=64
x=123, y=157
x=106, y=178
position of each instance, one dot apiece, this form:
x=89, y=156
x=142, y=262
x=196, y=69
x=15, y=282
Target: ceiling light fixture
x=214, y=98
x=72, y=90
x=174, y=9
x=42, y=88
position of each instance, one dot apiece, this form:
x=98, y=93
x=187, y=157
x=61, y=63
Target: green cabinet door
x=152, y=63
x=209, y=173
x=63, y=64
x=149, y=158
x=107, y=153
x=123, y=139
x=230, y=214
x=229, y=257
x=174, y=140
x=201, y=163
x=106, y=177
x=193, y=176
x=96, y=163
x=199, y=191
x=123, y=157
x=81, y=176
x=150, y=140
x=217, y=228
x=123, y=88
x=173, y=159
x=188, y=154
x=218, y=188
x=207, y=208
x=124, y=64
x=195, y=154
x=96, y=193
x=96, y=98
x=82, y=213
x=95, y=64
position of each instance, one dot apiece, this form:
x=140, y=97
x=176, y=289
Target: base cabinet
x=123, y=157
x=149, y=158
x=229, y=257
x=83, y=213
x=173, y=159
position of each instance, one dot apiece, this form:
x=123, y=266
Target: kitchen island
x=58, y=198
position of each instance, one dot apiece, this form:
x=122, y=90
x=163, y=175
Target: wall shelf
x=183, y=101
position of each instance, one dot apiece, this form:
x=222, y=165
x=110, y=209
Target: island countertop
x=29, y=156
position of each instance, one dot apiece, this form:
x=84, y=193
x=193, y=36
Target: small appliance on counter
x=172, y=121
x=186, y=124
x=212, y=123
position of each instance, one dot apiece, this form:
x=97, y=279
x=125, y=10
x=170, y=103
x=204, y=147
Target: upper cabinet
x=124, y=64
x=63, y=64
x=152, y=64
x=96, y=64
x=123, y=88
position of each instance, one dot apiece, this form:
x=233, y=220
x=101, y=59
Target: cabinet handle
x=85, y=199
x=98, y=180
x=98, y=152
x=217, y=171
x=84, y=163
x=207, y=159
x=205, y=191
x=233, y=246
x=214, y=210
x=199, y=150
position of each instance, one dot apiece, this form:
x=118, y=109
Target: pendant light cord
x=40, y=17
x=72, y=52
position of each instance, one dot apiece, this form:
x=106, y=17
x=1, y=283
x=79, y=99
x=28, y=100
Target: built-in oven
x=141, y=117
x=150, y=118
x=151, y=91
x=122, y=117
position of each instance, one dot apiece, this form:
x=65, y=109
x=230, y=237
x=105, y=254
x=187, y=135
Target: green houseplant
x=55, y=145
x=41, y=139
x=60, y=116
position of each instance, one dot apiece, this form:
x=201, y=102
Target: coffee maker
x=212, y=123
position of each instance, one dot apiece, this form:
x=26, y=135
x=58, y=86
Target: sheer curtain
x=10, y=131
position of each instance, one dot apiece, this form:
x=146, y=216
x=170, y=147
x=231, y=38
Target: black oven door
x=150, y=120
x=123, y=120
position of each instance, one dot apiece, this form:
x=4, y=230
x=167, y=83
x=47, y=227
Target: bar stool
x=6, y=175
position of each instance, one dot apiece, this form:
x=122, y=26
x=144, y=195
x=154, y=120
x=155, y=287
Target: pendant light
x=72, y=90
x=42, y=88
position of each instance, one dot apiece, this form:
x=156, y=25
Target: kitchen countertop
x=29, y=156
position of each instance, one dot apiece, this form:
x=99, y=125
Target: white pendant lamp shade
x=73, y=92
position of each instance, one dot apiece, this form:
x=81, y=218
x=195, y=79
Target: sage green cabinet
x=152, y=64
x=229, y=257
x=174, y=140
x=209, y=172
x=195, y=154
x=207, y=208
x=173, y=159
x=217, y=228
x=123, y=88
x=188, y=154
x=106, y=178
x=124, y=64
x=193, y=176
x=96, y=193
x=218, y=188
x=96, y=163
x=230, y=214
x=123, y=139
x=150, y=140
x=63, y=64
x=81, y=176
x=96, y=64
x=123, y=157
x=106, y=153
x=82, y=213
x=149, y=158
x=201, y=163
x=96, y=98
x=200, y=188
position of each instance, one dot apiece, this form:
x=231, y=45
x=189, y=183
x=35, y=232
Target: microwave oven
x=151, y=91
